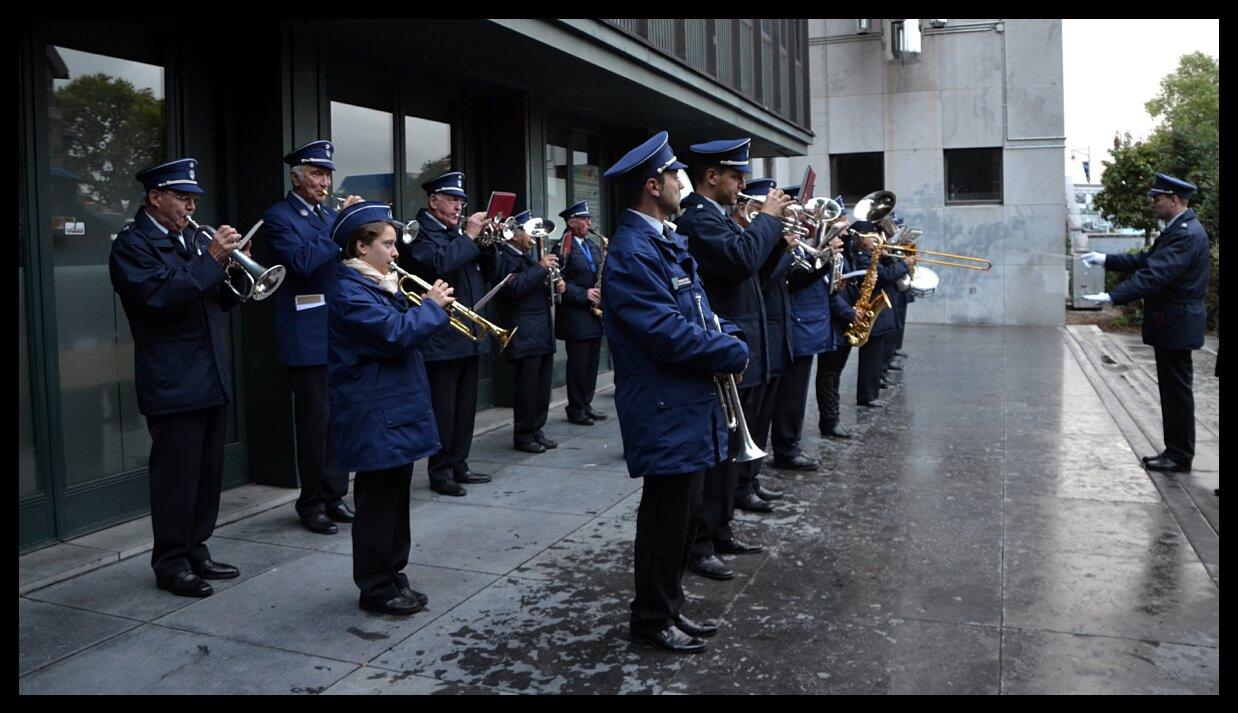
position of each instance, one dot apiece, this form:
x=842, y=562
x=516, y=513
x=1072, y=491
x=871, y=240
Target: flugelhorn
x=260, y=282
x=458, y=312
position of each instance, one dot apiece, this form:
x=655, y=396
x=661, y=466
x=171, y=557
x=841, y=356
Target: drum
x=924, y=283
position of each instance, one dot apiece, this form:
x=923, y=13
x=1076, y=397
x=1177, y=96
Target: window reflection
x=427, y=154
x=364, y=165
x=556, y=181
x=106, y=121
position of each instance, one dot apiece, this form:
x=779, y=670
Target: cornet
x=261, y=283
x=458, y=312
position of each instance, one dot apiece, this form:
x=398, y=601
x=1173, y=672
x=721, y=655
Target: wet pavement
x=990, y=531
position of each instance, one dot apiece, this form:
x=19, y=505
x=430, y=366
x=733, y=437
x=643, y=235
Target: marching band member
x=813, y=334
x=654, y=314
x=524, y=303
x=380, y=401
x=575, y=323
x=751, y=495
x=906, y=298
x=830, y=364
x=872, y=354
x=444, y=251
x=298, y=230
x=172, y=284
x=1172, y=278
x=730, y=258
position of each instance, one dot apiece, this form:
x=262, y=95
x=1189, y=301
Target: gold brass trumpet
x=459, y=312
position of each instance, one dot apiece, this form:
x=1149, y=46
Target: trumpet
x=728, y=398
x=458, y=312
x=260, y=282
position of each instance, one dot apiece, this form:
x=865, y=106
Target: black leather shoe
x=735, y=547
x=1145, y=459
x=530, y=447
x=595, y=415
x=398, y=605
x=186, y=584
x=765, y=493
x=210, y=569
x=875, y=403
x=580, y=420
x=448, y=488
x=704, y=629
x=837, y=431
x=340, y=512
x=900, y=353
x=470, y=477
x=1165, y=464
x=413, y=594
x=546, y=442
x=799, y=461
x=752, y=503
x=670, y=638
x=884, y=384
x=320, y=523
x=895, y=367
x=711, y=567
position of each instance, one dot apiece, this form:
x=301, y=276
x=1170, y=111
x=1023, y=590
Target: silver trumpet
x=728, y=398
x=260, y=282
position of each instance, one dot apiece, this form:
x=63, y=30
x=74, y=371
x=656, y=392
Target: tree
x=111, y=131
x=1125, y=182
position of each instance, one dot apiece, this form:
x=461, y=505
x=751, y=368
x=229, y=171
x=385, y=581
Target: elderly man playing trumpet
x=298, y=231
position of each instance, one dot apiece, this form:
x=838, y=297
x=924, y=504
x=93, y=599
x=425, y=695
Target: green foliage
x=1185, y=144
x=111, y=131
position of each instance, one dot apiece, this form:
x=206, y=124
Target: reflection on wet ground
x=989, y=531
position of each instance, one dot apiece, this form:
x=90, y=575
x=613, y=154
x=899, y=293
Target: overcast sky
x=1111, y=68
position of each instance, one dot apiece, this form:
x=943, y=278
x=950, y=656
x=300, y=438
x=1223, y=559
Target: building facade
x=963, y=121
x=536, y=107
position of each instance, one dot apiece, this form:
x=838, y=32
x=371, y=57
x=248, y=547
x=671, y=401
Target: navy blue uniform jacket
x=376, y=380
x=730, y=260
x=810, y=313
x=777, y=310
x=450, y=255
x=524, y=303
x=573, y=320
x=664, y=357
x=174, y=300
x=303, y=245
x=1172, y=278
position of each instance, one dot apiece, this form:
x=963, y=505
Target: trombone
x=458, y=311
x=909, y=249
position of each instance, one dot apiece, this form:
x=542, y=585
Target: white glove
x=1093, y=258
x=1102, y=297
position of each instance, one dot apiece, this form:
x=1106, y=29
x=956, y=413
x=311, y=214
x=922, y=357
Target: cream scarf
x=389, y=283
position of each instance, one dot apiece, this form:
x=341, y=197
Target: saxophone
x=597, y=309
x=858, y=331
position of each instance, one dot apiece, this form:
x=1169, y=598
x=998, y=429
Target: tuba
x=260, y=282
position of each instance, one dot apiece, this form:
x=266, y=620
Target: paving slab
x=154, y=659
x=370, y=681
x=310, y=606
x=51, y=564
x=1157, y=598
x=1045, y=662
x=1091, y=527
x=48, y=633
x=483, y=539
x=127, y=589
x=580, y=491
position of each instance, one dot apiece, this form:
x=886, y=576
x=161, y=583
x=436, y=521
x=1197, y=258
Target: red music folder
x=501, y=204
x=807, y=185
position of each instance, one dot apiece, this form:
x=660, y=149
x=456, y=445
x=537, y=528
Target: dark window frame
x=996, y=165
x=843, y=165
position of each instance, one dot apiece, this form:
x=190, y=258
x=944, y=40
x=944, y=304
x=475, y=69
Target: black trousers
x=887, y=355
x=830, y=367
x=721, y=485
x=902, y=321
x=872, y=364
x=1175, y=375
x=186, y=475
x=453, y=391
x=759, y=423
x=322, y=483
x=533, y=381
x=381, y=538
x=583, y=357
x=789, y=405
x=664, y=534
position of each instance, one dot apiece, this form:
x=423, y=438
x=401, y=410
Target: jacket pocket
x=406, y=414
x=681, y=392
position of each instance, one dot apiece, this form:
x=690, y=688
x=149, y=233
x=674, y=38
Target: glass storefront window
x=364, y=165
x=106, y=121
x=587, y=174
x=556, y=180
x=427, y=153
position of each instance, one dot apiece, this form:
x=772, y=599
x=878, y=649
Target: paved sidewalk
x=990, y=531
